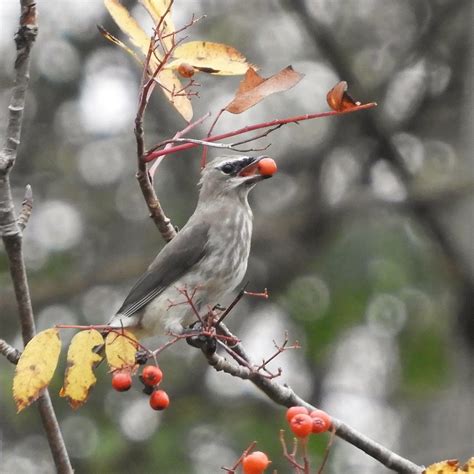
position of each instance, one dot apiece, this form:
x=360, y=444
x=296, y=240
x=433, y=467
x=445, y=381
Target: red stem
x=250, y=128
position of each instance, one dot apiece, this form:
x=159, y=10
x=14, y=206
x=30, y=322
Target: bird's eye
x=227, y=168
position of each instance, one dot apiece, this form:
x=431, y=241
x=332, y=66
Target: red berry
x=255, y=463
x=121, y=381
x=159, y=400
x=267, y=167
x=301, y=425
x=321, y=421
x=151, y=375
x=185, y=70
x=291, y=412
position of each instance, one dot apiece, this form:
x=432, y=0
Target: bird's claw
x=198, y=339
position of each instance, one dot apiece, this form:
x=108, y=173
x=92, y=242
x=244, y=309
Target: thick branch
x=284, y=395
x=9, y=227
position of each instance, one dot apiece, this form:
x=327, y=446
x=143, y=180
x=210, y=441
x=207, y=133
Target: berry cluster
x=303, y=422
x=151, y=377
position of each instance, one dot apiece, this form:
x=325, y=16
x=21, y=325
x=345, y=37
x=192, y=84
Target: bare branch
x=12, y=354
x=227, y=146
x=157, y=213
x=10, y=228
x=285, y=396
x=258, y=126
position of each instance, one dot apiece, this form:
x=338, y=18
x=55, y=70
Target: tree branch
x=285, y=396
x=250, y=128
x=26, y=208
x=10, y=228
x=11, y=353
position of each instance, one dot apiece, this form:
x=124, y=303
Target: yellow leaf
x=157, y=9
x=141, y=40
x=214, y=58
x=171, y=83
x=110, y=37
x=469, y=466
x=444, y=467
x=81, y=358
x=120, y=349
x=36, y=367
x=128, y=25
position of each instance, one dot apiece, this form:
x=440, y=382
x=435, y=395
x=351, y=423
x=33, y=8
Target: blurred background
x=364, y=238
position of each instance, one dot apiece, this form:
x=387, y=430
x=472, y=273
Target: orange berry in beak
x=267, y=167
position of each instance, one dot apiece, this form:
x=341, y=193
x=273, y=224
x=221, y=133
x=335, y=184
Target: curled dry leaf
x=213, y=58
x=36, y=367
x=81, y=359
x=255, y=88
x=338, y=98
x=120, y=349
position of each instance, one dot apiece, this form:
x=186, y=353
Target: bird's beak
x=252, y=171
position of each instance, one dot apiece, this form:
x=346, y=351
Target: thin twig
x=327, y=450
x=209, y=133
x=26, y=208
x=285, y=396
x=231, y=470
x=9, y=228
x=187, y=129
x=157, y=214
x=290, y=456
x=258, y=126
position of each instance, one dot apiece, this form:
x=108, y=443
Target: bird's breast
x=228, y=251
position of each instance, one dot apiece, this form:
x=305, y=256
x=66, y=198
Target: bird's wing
x=175, y=260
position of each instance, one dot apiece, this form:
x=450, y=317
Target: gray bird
x=208, y=256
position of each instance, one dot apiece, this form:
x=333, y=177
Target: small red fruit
x=159, y=400
x=321, y=421
x=301, y=425
x=292, y=411
x=151, y=375
x=267, y=167
x=186, y=70
x=121, y=381
x=255, y=463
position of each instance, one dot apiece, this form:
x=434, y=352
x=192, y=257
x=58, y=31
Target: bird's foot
x=200, y=338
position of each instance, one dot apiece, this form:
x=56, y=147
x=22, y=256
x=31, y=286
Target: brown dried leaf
x=81, y=359
x=338, y=98
x=213, y=58
x=255, y=88
x=36, y=367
